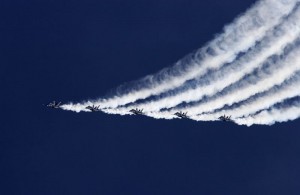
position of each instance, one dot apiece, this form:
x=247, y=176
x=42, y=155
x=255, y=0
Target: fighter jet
x=136, y=111
x=225, y=118
x=181, y=114
x=93, y=108
x=54, y=104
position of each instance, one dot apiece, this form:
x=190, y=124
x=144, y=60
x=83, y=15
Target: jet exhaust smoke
x=250, y=72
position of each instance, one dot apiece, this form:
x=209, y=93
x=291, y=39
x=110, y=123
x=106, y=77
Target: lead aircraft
x=54, y=104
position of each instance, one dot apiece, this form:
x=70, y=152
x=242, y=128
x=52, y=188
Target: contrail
x=237, y=37
x=285, y=112
x=246, y=71
x=261, y=101
x=285, y=73
x=272, y=44
x=264, y=78
x=274, y=71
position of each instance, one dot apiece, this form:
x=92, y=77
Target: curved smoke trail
x=260, y=101
x=246, y=71
x=285, y=111
x=275, y=71
x=273, y=43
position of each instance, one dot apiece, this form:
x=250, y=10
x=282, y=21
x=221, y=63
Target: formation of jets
x=93, y=108
x=54, y=104
x=136, y=111
x=181, y=114
x=225, y=118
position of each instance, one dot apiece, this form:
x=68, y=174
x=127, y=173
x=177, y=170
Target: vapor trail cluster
x=245, y=72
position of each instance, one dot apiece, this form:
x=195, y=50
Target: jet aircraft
x=93, y=108
x=54, y=104
x=225, y=118
x=136, y=111
x=181, y=114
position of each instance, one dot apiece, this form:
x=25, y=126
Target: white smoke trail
x=237, y=37
x=270, y=116
x=78, y=107
x=265, y=100
x=251, y=66
x=275, y=74
x=265, y=78
x=272, y=44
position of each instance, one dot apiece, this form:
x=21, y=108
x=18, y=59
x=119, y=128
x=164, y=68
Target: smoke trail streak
x=250, y=71
x=272, y=44
x=237, y=37
x=287, y=90
x=288, y=112
x=263, y=79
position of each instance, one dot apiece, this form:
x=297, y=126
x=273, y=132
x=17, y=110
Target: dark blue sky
x=75, y=50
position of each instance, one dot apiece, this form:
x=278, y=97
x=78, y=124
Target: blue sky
x=75, y=50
